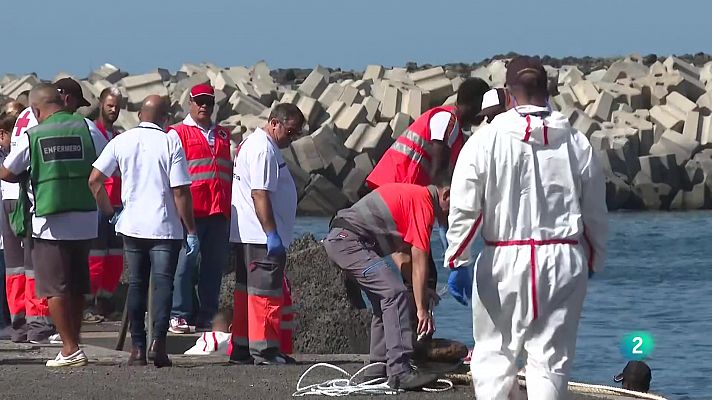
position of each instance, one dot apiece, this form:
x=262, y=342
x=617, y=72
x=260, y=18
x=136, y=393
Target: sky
x=76, y=36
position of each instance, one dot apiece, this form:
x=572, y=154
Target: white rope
x=591, y=388
x=347, y=386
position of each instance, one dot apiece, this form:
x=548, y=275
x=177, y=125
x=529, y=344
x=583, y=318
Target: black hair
x=7, y=121
x=471, y=91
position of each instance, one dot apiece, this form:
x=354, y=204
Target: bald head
x=154, y=109
x=45, y=100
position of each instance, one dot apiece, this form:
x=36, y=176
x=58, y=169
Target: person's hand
x=115, y=218
x=426, y=325
x=192, y=245
x=459, y=284
x=274, y=244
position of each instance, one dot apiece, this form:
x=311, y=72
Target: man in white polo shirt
x=264, y=206
x=155, y=194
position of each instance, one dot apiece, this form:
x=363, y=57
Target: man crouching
x=395, y=218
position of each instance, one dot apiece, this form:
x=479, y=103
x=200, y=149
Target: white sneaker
x=51, y=339
x=77, y=359
x=178, y=325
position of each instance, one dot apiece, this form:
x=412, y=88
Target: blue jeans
x=145, y=257
x=213, y=233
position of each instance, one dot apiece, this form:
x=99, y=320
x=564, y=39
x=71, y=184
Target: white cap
x=490, y=99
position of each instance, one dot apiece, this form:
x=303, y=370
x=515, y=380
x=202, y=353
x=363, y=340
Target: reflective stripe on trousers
x=532, y=243
x=258, y=301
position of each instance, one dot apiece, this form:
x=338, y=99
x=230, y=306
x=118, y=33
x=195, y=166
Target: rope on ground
x=576, y=387
x=348, y=386
x=603, y=389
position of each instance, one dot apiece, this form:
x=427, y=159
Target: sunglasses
x=208, y=102
x=292, y=133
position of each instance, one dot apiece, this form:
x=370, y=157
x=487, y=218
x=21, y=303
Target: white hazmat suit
x=533, y=186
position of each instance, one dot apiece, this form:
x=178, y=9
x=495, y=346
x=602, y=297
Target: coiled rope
x=348, y=386
x=575, y=387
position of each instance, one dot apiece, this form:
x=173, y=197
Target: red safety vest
x=210, y=169
x=408, y=159
x=113, y=184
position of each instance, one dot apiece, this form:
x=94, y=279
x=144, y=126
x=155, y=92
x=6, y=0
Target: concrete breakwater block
x=631, y=107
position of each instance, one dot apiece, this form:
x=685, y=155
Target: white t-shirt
x=26, y=120
x=209, y=134
x=76, y=225
x=438, y=128
x=259, y=166
x=151, y=164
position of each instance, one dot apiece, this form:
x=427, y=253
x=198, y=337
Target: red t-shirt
x=412, y=209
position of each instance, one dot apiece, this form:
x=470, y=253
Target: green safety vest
x=61, y=156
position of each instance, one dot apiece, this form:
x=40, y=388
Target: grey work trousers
x=391, y=332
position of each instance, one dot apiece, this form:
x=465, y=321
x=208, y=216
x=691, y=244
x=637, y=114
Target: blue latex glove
x=274, y=244
x=192, y=246
x=459, y=284
x=115, y=218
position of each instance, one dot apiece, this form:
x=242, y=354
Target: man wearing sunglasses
x=207, y=151
x=264, y=204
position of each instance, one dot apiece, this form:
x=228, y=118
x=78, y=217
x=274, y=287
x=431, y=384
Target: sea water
x=658, y=279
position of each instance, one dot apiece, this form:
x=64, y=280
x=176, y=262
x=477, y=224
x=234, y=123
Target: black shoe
x=138, y=356
x=242, y=360
x=160, y=356
x=279, y=359
x=6, y=333
x=411, y=380
x=375, y=372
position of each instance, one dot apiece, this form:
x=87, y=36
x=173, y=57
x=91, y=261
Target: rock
x=373, y=72
x=321, y=197
x=315, y=83
x=107, y=72
x=139, y=87
x=349, y=119
x=619, y=194
x=326, y=322
x=672, y=142
x=439, y=350
x=434, y=82
x=373, y=140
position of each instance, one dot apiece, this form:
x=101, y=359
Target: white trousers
x=504, y=308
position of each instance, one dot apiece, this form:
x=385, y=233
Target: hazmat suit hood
x=534, y=125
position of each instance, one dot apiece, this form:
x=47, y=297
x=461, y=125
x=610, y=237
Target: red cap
x=202, y=90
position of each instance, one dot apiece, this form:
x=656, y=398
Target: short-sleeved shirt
x=444, y=126
x=209, y=133
x=76, y=225
x=25, y=121
x=151, y=164
x=394, y=215
x=259, y=166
